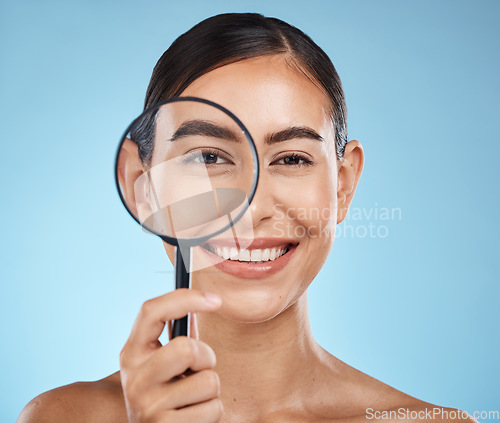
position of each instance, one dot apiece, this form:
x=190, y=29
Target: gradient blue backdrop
x=416, y=306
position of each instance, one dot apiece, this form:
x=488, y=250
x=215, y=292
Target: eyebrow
x=204, y=128
x=293, y=133
x=209, y=129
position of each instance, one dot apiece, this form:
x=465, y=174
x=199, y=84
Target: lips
x=262, y=257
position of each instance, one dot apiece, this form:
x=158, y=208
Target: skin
x=268, y=366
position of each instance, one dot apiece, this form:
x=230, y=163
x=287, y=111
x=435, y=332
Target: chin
x=254, y=313
x=251, y=303
x=253, y=317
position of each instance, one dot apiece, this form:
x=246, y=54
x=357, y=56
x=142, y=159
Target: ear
x=129, y=169
x=349, y=173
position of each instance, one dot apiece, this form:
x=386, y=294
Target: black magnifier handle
x=180, y=327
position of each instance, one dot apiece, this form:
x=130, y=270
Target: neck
x=263, y=366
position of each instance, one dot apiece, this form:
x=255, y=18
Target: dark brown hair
x=232, y=37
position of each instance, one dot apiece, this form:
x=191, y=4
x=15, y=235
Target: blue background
x=417, y=308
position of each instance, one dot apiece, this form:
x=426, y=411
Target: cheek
x=309, y=206
x=317, y=214
x=311, y=211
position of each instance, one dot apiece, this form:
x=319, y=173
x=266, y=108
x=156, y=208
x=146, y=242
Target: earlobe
x=348, y=176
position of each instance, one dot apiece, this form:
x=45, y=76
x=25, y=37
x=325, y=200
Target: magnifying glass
x=186, y=170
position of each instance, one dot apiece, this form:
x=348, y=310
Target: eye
x=293, y=160
x=208, y=157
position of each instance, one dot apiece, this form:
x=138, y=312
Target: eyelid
x=210, y=150
x=292, y=153
x=300, y=154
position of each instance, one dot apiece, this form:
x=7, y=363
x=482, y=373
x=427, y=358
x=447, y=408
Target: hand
x=153, y=380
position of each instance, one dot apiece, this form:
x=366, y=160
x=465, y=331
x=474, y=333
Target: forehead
x=267, y=94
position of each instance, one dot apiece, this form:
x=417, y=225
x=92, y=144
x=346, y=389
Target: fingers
x=206, y=412
x=176, y=357
x=196, y=388
x=154, y=380
x=156, y=312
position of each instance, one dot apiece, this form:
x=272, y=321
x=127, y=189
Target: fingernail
x=212, y=298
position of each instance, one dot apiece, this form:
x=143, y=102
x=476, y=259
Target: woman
x=251, y=355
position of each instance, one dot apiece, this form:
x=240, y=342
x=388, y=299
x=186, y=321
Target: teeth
x=244, y=255
x=272, y=254
x=258, y=255
x=265, y=254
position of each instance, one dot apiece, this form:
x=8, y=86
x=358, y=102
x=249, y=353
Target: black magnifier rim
x=185, y=242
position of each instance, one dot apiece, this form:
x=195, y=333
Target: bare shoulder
x=363, y=398
x=81, y=402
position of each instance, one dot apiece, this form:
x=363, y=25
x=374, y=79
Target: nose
x=262, y=207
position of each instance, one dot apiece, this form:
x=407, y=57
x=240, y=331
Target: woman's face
x=295, y=206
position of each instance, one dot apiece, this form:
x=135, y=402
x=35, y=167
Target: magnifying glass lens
x=186, y=170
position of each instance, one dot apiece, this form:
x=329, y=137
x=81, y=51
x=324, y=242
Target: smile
x=243, y=254
x=262, y=258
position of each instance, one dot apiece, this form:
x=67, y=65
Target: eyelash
x=208, y=151
x=305, y=160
